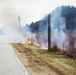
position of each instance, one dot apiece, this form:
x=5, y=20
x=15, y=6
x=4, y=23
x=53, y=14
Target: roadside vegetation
x=41, y=62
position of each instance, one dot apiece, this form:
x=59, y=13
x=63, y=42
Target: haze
x=28, y=10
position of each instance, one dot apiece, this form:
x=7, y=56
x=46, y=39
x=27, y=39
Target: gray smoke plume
x=63, y=28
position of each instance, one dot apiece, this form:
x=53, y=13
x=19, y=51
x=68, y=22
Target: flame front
x=32, y=42
x=62, y=48
x=29, y=42
x=38, y=45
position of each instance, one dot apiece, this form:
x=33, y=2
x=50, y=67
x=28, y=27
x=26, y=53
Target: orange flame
x=38, y=45
x=29, y=42
x=62, y=48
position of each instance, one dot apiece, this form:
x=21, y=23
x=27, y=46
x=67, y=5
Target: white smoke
x=9, y=26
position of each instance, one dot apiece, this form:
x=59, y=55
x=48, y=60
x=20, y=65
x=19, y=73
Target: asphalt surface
x=9, y=62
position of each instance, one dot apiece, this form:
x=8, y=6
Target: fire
x=38, y=45
x=62, y=48
x=30, y=42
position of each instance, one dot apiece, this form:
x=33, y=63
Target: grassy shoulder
x=41, y=62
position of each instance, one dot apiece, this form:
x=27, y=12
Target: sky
x=28, y=10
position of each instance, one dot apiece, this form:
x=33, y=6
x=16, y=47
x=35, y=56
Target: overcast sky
x=28, y=10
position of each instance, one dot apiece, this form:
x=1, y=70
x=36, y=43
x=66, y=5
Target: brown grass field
x=41, y=62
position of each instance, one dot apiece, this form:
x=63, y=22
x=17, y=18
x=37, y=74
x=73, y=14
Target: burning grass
x=44, y=63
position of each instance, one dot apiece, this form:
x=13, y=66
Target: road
x=9, y=62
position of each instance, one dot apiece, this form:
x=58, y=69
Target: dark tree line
x=69, y=12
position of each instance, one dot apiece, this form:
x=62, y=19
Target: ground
x=41, y=62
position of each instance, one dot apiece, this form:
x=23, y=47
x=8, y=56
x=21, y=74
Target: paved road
x=9, y=62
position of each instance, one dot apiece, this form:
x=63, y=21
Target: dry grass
x=41, y=62
x=33, y=64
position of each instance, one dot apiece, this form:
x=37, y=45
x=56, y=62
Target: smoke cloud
x=9, y=26
x=63, y=28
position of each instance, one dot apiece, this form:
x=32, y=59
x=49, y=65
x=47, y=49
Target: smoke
x=9, y=26
x=58, y=35
x=27, y=33
x=63, y=28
